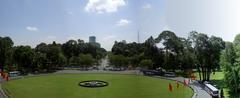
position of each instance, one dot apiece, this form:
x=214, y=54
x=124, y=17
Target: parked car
x=169, y=74
x=14, y=73
x=149, y=72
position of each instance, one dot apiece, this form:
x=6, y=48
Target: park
x=119, y=49
x=81, y=69
x=120, y=86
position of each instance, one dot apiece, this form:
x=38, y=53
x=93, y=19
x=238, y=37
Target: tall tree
x=117, y=60
x=6, y=45
x=207, y=53
x=55, y=56
x=231, y=66
x=86, y=59
x=146, y=63
x=23, y=56
x=70, y=48
x=172, y=48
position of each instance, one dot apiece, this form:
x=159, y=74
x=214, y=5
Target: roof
x=211, y=87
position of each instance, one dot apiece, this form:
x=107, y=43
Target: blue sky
x=29, y=22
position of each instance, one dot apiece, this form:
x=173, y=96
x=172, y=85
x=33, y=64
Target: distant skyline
x=30, y=22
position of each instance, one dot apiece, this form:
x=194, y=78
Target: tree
x=75, y=61
x=118, y=60
x=207, y=53
x=23, y=56
x=86, y=59
x=186, y=56
x=40, y=61
x=217, y=45
x=54, y=56
x=151, y=51
x=230, y=60
x=172, y=48
x=231, y=66
x=146, y=63
x=232, y=78
x=40, y=56
x=70, y=48
x=6, y=45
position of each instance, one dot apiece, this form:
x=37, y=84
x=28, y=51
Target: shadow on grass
x=233, y=95
x=220, y=83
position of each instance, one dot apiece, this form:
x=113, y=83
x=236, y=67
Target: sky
x=30, y=22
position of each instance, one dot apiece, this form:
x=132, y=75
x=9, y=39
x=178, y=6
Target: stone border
x=103, y=84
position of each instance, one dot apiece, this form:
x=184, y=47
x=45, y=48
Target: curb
x=194, y=90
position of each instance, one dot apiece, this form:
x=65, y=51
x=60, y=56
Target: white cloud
x=123, y=22
x=102, y=6
x=32, y=28
x=147, y=6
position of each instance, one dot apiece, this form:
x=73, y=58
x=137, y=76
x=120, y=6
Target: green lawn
x=120, y=86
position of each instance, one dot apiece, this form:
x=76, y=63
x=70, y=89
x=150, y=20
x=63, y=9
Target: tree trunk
x=199, y=72
x=203, y=73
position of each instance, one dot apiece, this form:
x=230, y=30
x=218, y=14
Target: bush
x=146, y=63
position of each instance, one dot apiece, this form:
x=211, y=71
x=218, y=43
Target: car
x=14, y=73
x=149, y=72
x=169, y=74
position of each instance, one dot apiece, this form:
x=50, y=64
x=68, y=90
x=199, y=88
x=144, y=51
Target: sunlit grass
x=120, y=86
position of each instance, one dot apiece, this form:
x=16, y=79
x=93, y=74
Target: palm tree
x=232, y=77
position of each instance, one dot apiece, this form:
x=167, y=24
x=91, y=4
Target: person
x=222, y=94
x=170, y=87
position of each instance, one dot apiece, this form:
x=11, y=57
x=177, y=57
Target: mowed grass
x=120, y=86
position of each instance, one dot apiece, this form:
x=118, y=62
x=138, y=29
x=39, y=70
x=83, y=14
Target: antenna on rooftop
x=138, y=37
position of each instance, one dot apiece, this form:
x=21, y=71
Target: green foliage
x=74, y=48
x=6, y=45
x=74, y=61
x=232, y=78
x=23, y=56
x=39, y=61
x=86, y=59
x=231, y=64
x=146, y=63
x=207, y=53
x=118, y=60
x=47, y=56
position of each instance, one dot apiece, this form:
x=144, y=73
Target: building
x=92, y=40
x=124, y=41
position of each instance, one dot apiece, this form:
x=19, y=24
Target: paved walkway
x=2, y=94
